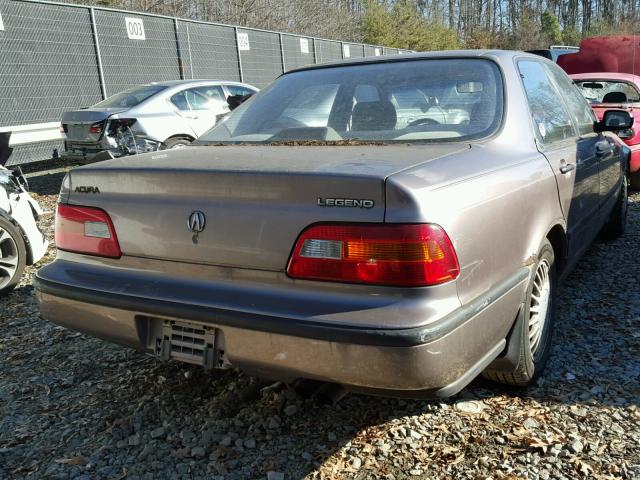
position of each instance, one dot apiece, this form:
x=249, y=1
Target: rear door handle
x=567, y=167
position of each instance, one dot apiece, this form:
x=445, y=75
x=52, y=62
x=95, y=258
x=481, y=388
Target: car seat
x=615, y=97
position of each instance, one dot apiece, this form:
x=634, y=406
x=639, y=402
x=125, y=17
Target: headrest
x=367, y=116
x=614, y=97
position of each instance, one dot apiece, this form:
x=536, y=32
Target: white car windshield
x=396, y=101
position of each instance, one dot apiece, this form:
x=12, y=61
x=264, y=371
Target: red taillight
x=393, y=255
x=86, y=230
x=96, y=128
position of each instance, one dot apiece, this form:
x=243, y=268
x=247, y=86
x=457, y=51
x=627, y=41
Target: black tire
x=617, y=223
x=530, y=362
x=175, y=142
x=13, y=255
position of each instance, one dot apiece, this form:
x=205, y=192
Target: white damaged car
x=21, y=242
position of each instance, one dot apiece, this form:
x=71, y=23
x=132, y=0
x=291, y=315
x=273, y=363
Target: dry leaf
x=534, y=442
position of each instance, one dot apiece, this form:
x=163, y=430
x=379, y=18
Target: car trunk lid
x=255, y=200
x=77, y=124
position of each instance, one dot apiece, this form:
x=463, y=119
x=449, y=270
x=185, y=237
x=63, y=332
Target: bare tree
x=489, y=23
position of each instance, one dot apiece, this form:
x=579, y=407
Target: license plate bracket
x=187, y=342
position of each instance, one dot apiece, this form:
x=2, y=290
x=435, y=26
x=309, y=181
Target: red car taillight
x=96, y=128
x=86, y=230
x=391, y=254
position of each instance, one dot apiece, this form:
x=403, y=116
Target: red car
x=604, y=70
x=607, y=91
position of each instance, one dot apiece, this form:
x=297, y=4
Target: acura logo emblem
x=197, y=222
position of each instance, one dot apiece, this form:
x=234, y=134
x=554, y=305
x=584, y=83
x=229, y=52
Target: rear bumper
x=84, y=152
x=435, y=360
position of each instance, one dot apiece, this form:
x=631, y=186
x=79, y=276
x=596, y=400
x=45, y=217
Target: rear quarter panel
x=159, y=119
x=497, y=206
x=497, y=201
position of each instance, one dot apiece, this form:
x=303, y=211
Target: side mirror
x=234, y=101
x=614, y=121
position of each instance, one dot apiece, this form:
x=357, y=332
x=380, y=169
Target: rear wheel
x=635, y=180
x=617, y=222
x=533, y=340
x=176, y=142
x=13, y=254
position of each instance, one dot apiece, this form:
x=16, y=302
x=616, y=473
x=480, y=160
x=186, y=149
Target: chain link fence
x=57, y=57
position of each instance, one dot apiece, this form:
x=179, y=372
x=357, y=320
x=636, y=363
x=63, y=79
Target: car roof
x=175, y=83
x=606, y=76
x=501, y=54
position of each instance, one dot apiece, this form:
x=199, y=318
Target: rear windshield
x=130, y=98
x=420, y=100
x=597, y=91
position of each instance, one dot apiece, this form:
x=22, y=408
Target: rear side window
x=238, y=90
x=551, y=120
x=200, y=98
x=206, y=98
x=578, y=106
x=180, y=101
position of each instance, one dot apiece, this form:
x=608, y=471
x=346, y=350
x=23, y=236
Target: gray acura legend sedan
x=393, y=225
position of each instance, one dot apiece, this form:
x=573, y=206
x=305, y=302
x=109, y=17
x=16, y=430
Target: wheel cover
x=539, y=305
x=8, y=258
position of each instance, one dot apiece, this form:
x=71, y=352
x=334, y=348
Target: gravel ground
x=74, y=407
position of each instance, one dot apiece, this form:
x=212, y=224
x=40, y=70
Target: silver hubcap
x=539, y=307
x=8, y=258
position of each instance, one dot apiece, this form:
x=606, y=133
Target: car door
x=571, y=156
x=591, y=143
x=201, y=106
x=185, y=116
x=210, y=103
